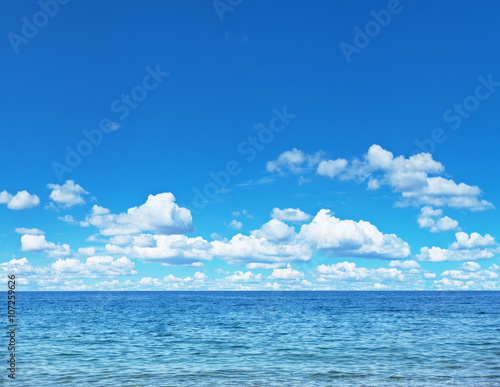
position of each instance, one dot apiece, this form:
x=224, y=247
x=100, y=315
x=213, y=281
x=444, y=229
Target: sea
x=310, y=338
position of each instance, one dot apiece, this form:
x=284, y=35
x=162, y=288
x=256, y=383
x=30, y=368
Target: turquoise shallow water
x=258, y=338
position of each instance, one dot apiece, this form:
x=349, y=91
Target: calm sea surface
x=257, y=339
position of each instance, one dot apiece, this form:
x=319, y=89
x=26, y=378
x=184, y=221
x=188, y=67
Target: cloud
x=433, y=219
x=331, y=168
x=96, y=266
x=277, y=242
x=405, y=264
x=67, y=195
x=470, y=266
x=414, y=178
x=465, y=248
x=239, y=276
x=286, y=274
x=475, y=240
x=290, y=215
x=256, y=265
x=350, y=238
x=38, y=244
x=160, y=214
x=70, y=220
x=21, y=201
x=199, y=275
x=274, y=242
x=86, y=251
x=5, y=197
x=347, y=271
x=437, y=254
x=294, y=161
x=274, y=230
x=31, y=231
x=235, y=225
x=17, y=266
x=470, y=276
x=169, y=249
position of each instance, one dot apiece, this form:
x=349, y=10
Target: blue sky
x=354, y=146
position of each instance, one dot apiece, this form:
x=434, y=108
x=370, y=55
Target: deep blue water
x=258, y=338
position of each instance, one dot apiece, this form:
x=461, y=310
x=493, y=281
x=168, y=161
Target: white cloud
x=433, y=219
x=411, y=177
x=239, y=276
x=286, y=274
x=405, y=264
x=331, y=168
x=160, y=214
x=31, y=231
x=466, y=248
x=470, y=266
x=347, y=271
x=199, y=275
x=5, y=197
x=256, y=265
x=37, y=244
x=170, y=249
x=235, y=225
x=17, y=266
x=437, y=254
x=259, y=248
x=86, y=251
x=475, y=240
x=274, y=230
x=67, y=195
x=294, y=161
x=70, y=220
x=349, y=238
x=276, y=242
x=95, y=266
x=290, y=215
x=21, y=201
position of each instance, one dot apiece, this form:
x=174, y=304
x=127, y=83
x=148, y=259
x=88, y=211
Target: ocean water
x=258, y=339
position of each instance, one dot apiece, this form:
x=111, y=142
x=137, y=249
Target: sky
x=250, y=145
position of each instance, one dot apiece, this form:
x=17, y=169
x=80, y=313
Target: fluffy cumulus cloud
x=96, y=266
x=67, y=195
x=276, y=242
x=348, y=271
x=160, y=214
x=465, y=248
x=474, y=240
x=350, y=238
x=31, y=231
x=469, y=276
x=286, y=274
x=435, y=221
x=405, y=264
x=290, y=215
x=20, y=201
x=294, y=161
x=239, y=276
x=38, y=244
x=168, y=249
x=416, y=179
x=331, y=168
x=235, y=225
